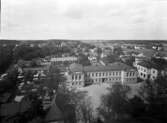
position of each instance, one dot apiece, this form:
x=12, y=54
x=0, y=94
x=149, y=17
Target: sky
x=84, y=19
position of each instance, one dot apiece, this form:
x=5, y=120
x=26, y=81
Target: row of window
x=130, y=79
x=104, y=74
x=76, y=77
x=142, y=69
x=130, y=74
x=142, y=75
x=107, y=79
x=76, y=83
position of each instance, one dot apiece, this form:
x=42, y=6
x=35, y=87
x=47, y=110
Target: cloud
x=83, y=18
x=74, y=13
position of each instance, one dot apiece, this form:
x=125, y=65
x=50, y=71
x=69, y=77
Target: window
x=126, y=74
x=79, y=77
x=133, y=74
x=72, y=77
x=92, y=74
x=99, y=74
x=103, y=74
x=96, y=74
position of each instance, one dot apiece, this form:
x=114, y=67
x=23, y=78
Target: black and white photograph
x=83, y=61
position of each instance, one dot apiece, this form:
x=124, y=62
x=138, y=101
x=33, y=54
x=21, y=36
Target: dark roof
x=111, y=67
x=54, y=114
x=146, y=64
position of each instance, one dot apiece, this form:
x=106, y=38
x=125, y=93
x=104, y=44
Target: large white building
x=79, y=76
x=148, y=70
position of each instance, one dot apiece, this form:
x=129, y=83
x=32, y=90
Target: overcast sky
x=84, y=19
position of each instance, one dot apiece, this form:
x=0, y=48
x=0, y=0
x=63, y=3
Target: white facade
x=147, y=73
x=85, y=76
x=75, y=80
x=113, y=76
x=64, y=59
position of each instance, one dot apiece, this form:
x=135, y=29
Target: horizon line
x=87, y=39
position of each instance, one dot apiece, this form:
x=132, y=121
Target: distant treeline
x=12, y=51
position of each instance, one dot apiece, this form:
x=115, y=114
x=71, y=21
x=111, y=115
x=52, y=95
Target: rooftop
x=76, y=67
x=146, y=64
x=157, y=65
x=64, y=59
x=118, y=66
x=54, y=114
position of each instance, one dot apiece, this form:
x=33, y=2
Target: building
x=59, y=60
x=138, y=60
x=92, y=59
x=150, y=70
x=79, y=76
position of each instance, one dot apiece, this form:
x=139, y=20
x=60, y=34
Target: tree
x=137, y=107
x=83, y=59
x=85, y=108
x=80, y=105
x=130, y=61
x=9, y=84
x=30, y=108
x=111, y=58
x=114, y=105
x=118, y=51
x=28, y=75
x=154, y=93
x=6, y=57
x=54, y=79
x=99, y=52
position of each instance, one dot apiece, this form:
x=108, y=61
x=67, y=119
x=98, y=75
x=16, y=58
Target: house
x=150, y=70
x=54, y=115
x=92, y=59
x=105, y=52
x=79, y=76
x=59, y=60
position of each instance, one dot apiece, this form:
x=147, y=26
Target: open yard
x=96, y=91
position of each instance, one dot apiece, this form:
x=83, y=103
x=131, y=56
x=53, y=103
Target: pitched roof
x=118, y=66
x=148, y=64
x=54, y=114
